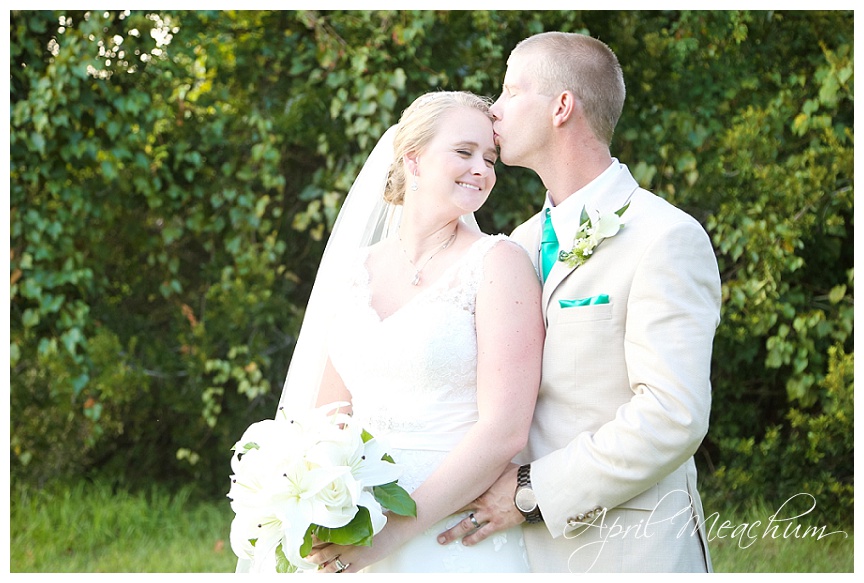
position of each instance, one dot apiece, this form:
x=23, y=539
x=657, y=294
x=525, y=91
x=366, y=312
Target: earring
x=414, y=181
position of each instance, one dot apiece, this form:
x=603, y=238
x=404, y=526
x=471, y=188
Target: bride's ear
x=412, y=163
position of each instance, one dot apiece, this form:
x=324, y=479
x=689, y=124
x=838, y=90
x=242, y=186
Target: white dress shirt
x=566, y=217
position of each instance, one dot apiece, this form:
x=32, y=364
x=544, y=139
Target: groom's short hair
x=585, y=66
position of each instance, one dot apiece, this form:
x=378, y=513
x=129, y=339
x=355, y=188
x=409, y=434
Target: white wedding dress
x=413, y=380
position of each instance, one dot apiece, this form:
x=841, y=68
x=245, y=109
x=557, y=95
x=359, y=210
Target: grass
x=90, y=529
x=753, y=542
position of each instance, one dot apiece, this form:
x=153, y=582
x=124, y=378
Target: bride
x=433, y=334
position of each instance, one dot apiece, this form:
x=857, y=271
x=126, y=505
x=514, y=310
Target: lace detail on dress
x=442, y=359
x=460, y=283
x=383, y=421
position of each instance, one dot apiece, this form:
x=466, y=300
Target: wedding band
x=341, y=567
x=473, y=520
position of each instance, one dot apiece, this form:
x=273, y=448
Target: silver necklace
x=416, y=280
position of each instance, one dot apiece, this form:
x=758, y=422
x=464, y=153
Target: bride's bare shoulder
x=507, y=261
x=507, y=251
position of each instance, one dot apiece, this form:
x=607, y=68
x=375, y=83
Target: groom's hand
x=493, y=511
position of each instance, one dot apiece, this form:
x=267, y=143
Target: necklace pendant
x=416, y=280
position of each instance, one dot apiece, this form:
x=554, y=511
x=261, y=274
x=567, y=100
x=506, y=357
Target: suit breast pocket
x=592, y=313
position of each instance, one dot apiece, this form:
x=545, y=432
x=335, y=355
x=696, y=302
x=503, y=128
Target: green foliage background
x=174, y=177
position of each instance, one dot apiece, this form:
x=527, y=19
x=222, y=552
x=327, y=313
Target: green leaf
x=109, y=171
x=306, y=547
x=358, y=532
x=620, y=211
x=837, y=293
x=283, y=565
x=30, y=318
x=71, y=338
x=584, y=217
x=38, y=142
x=395, y=498
x=79, y=382
x=93, y=413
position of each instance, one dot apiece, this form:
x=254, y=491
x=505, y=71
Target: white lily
x=371, y=469
x=607, y=226
x=595, y=227
x=311, y=471
x=267, y=534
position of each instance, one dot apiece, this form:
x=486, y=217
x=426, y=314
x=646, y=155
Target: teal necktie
x=548, y=246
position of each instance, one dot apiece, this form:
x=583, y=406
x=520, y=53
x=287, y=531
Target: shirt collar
x=566, y=216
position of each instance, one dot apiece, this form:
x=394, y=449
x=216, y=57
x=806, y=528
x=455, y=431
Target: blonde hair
x=584, y=66
x=418, y=125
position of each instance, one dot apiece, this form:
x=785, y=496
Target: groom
x=609, y=481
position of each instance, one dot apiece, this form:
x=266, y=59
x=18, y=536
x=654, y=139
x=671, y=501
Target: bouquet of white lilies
x=315, y=476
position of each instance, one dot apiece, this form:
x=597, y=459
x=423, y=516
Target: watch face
x=525, y=500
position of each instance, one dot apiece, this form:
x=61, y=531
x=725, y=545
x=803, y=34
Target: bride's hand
x=346, y=559
x=332, y=558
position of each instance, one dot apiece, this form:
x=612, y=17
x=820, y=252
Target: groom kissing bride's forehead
x=630, y=314
x=529, y=388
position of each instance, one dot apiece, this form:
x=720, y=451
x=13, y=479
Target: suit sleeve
x=673, y=310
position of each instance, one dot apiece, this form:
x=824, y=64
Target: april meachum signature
x=602, y=531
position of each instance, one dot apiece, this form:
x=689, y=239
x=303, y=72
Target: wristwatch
x=525, y=500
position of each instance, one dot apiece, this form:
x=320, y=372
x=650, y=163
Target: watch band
x=523, y=476
x=523, y=480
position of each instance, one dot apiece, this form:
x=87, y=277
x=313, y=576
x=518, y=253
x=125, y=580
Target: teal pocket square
x=593, y=300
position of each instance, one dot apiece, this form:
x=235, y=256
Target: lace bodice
x=413, y=375
x=413, y=382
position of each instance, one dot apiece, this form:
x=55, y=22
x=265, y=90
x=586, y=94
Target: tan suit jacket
x=625, y=394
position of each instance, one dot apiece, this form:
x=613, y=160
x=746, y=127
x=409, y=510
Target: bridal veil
x=364, y=219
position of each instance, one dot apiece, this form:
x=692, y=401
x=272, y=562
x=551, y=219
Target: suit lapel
x=607, y=201
x=558, y=273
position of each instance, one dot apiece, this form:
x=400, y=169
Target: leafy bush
x=811, y=452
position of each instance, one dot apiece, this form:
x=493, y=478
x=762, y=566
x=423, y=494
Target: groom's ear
x=564, y=108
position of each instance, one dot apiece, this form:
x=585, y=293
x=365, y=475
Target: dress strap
x=466, y=281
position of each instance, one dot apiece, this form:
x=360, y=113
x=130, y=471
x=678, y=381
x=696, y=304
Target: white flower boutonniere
x=590, y=234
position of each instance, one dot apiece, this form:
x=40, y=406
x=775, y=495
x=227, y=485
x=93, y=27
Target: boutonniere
x=591, y=232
